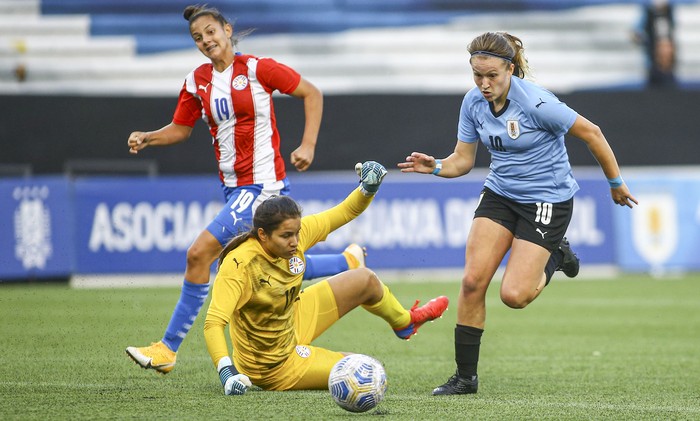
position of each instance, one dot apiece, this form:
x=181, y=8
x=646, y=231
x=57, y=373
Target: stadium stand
x=141, y=47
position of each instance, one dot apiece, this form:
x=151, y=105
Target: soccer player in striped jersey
x=527, y=200
x=233, y=95
x=272, y=320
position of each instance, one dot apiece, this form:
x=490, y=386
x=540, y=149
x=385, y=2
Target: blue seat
x=158, y=25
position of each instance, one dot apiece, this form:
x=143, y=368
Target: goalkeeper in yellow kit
x=273, y=321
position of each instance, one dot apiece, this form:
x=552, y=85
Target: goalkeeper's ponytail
x=235, y=242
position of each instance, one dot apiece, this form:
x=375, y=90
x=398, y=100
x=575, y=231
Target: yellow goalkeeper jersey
x=254, y=294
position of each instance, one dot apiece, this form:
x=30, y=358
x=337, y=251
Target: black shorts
x=541, y=223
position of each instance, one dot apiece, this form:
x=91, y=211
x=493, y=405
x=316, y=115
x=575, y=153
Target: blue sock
x=191, y=300
x=324, y=265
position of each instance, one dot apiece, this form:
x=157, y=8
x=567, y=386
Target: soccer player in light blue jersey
x=527, y=200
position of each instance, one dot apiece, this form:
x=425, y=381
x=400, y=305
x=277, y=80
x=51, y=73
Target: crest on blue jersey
x=239, y=82
x=296, y=265
x=513, y=129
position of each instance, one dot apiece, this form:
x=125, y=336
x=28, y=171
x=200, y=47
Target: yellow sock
x=389, y=309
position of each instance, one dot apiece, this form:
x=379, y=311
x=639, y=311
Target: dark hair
x=196, y=11
x=503, y=45
x=269, y=216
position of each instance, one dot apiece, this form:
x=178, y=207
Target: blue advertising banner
x=141, y=225
x=36, y=228
x=663, y=233
x=138, y=225
x=53, y=226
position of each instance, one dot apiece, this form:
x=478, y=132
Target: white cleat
x=157, y=357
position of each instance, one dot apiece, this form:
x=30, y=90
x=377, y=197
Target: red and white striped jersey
x=237, y=106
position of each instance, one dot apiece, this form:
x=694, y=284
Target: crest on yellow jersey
x=296, y=265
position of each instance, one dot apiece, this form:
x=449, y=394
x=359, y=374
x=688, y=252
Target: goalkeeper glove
x=234, y=382
x=371, y=175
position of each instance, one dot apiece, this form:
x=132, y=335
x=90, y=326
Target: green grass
x=617, y=349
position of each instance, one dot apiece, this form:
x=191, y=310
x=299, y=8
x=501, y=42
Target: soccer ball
x=357, y=383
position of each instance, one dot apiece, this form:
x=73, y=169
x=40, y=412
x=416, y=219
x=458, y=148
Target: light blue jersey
x=529, y=162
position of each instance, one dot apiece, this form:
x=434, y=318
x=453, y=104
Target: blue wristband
x=438, y=167
x=615, y=182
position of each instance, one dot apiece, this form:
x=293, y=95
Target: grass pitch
x=627, y=348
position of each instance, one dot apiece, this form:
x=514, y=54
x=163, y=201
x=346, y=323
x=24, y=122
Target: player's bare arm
x=591, y=134
x=168, y=135
x=460, y=162
x=303, y=156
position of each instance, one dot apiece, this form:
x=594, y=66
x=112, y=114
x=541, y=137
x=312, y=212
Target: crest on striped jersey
x=239, y=82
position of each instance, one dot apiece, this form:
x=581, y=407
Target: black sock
x=467, y=343
x=552, y=264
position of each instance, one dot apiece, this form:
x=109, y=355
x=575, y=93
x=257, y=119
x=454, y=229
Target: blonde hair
x=505, y=46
